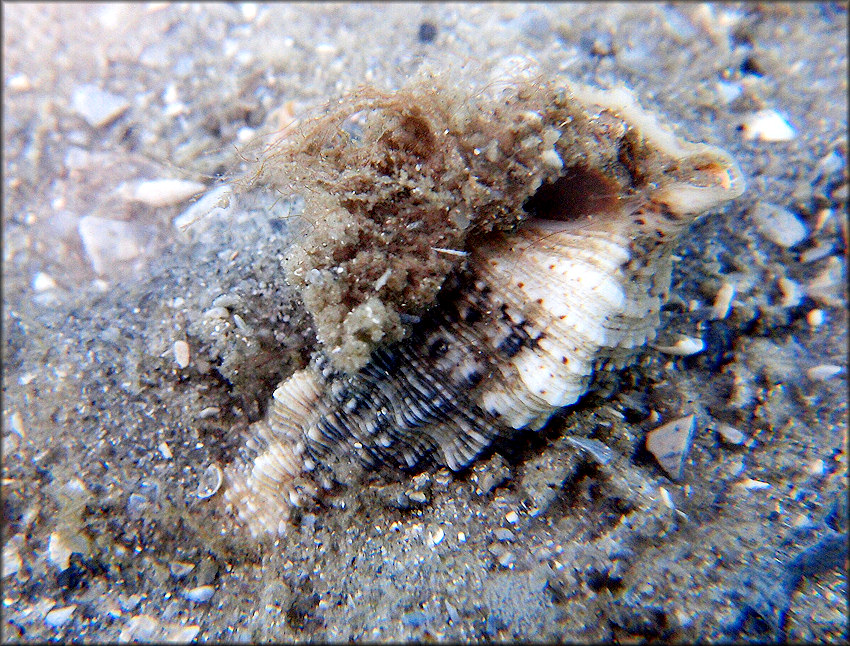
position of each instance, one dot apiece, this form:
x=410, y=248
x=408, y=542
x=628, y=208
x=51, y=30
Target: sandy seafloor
x=106, y=438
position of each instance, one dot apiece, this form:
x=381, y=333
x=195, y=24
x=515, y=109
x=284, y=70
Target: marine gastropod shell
x=474, y=258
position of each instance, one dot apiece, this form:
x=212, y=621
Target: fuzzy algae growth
x=398, y=184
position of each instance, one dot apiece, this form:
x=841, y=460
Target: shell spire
x=563, y=204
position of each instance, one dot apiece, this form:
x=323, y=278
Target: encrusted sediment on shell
x=561, y=271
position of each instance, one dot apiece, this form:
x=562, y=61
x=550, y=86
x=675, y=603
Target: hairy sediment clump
x=396, y=183
x=473, y=258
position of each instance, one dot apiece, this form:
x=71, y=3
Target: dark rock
x=427, y=32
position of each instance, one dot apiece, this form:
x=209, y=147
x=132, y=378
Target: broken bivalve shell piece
x=670, y=444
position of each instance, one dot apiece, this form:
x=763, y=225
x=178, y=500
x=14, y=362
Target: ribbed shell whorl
x=518, y=326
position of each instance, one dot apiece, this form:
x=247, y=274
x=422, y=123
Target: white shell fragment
x=827, y=288
x=670, y=444
x=728, y=92
x=180, y=569
x=435, y=536
x=96, y=106
x=730, y=434
x=823, y=372
x=570, y=281
x=601, y=453
x=200, y=594
x=683, y=347
x=58, y=551
x=181, y=354
x=779, y=225
x=108, y=243
x=754, y=485
x=723, y=301
x=165, y=450
x=19, y=82
x=43, y=282
x=59, y=616
x=792, y=292
x=210, y=481
x=164, y=192
x=145, y=628
x=767, y=125
x=214, y=204
x=11, y=559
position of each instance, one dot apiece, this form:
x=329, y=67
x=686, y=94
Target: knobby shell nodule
x=474, y=257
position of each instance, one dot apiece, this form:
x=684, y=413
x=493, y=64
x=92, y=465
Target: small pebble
x=140, y=628
x=129, y=603
x=180, y=569
x=802, y=521
x=503, y=534
x=823, y=372
x=176, y=634
x=60, y=616
x=181, y=354
x=829, y=165
x=17, y=424
x=19, y=82
x=249, y=11
x=136, y=506
x=419, y=497
x=245, y=134
x=817, y=468
x=227, y=300
x=670, y=444
x=208, y=412
x=683, y=347
x=506, y=559
x=461, y=537
x=326, y=51
x=454, y=617
x=754, y=485
x=165, y=450
x=96, y=106
x=58, y=553
x=778, y=224
x=728, y=92
x=723, y=301
x=792, y=292
x=818, y=252
x=512, y=517
x=414, y=619
x=815, y=318
x=243, y=327
x=210, y=481
x=201, y=594
x=43, y=282
x=11, y=560
x=828, y=286
x=552, y=159
x=768, y=126
x=730, y=434
x=737, y=467
x=216, y=313
x=435, y=536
